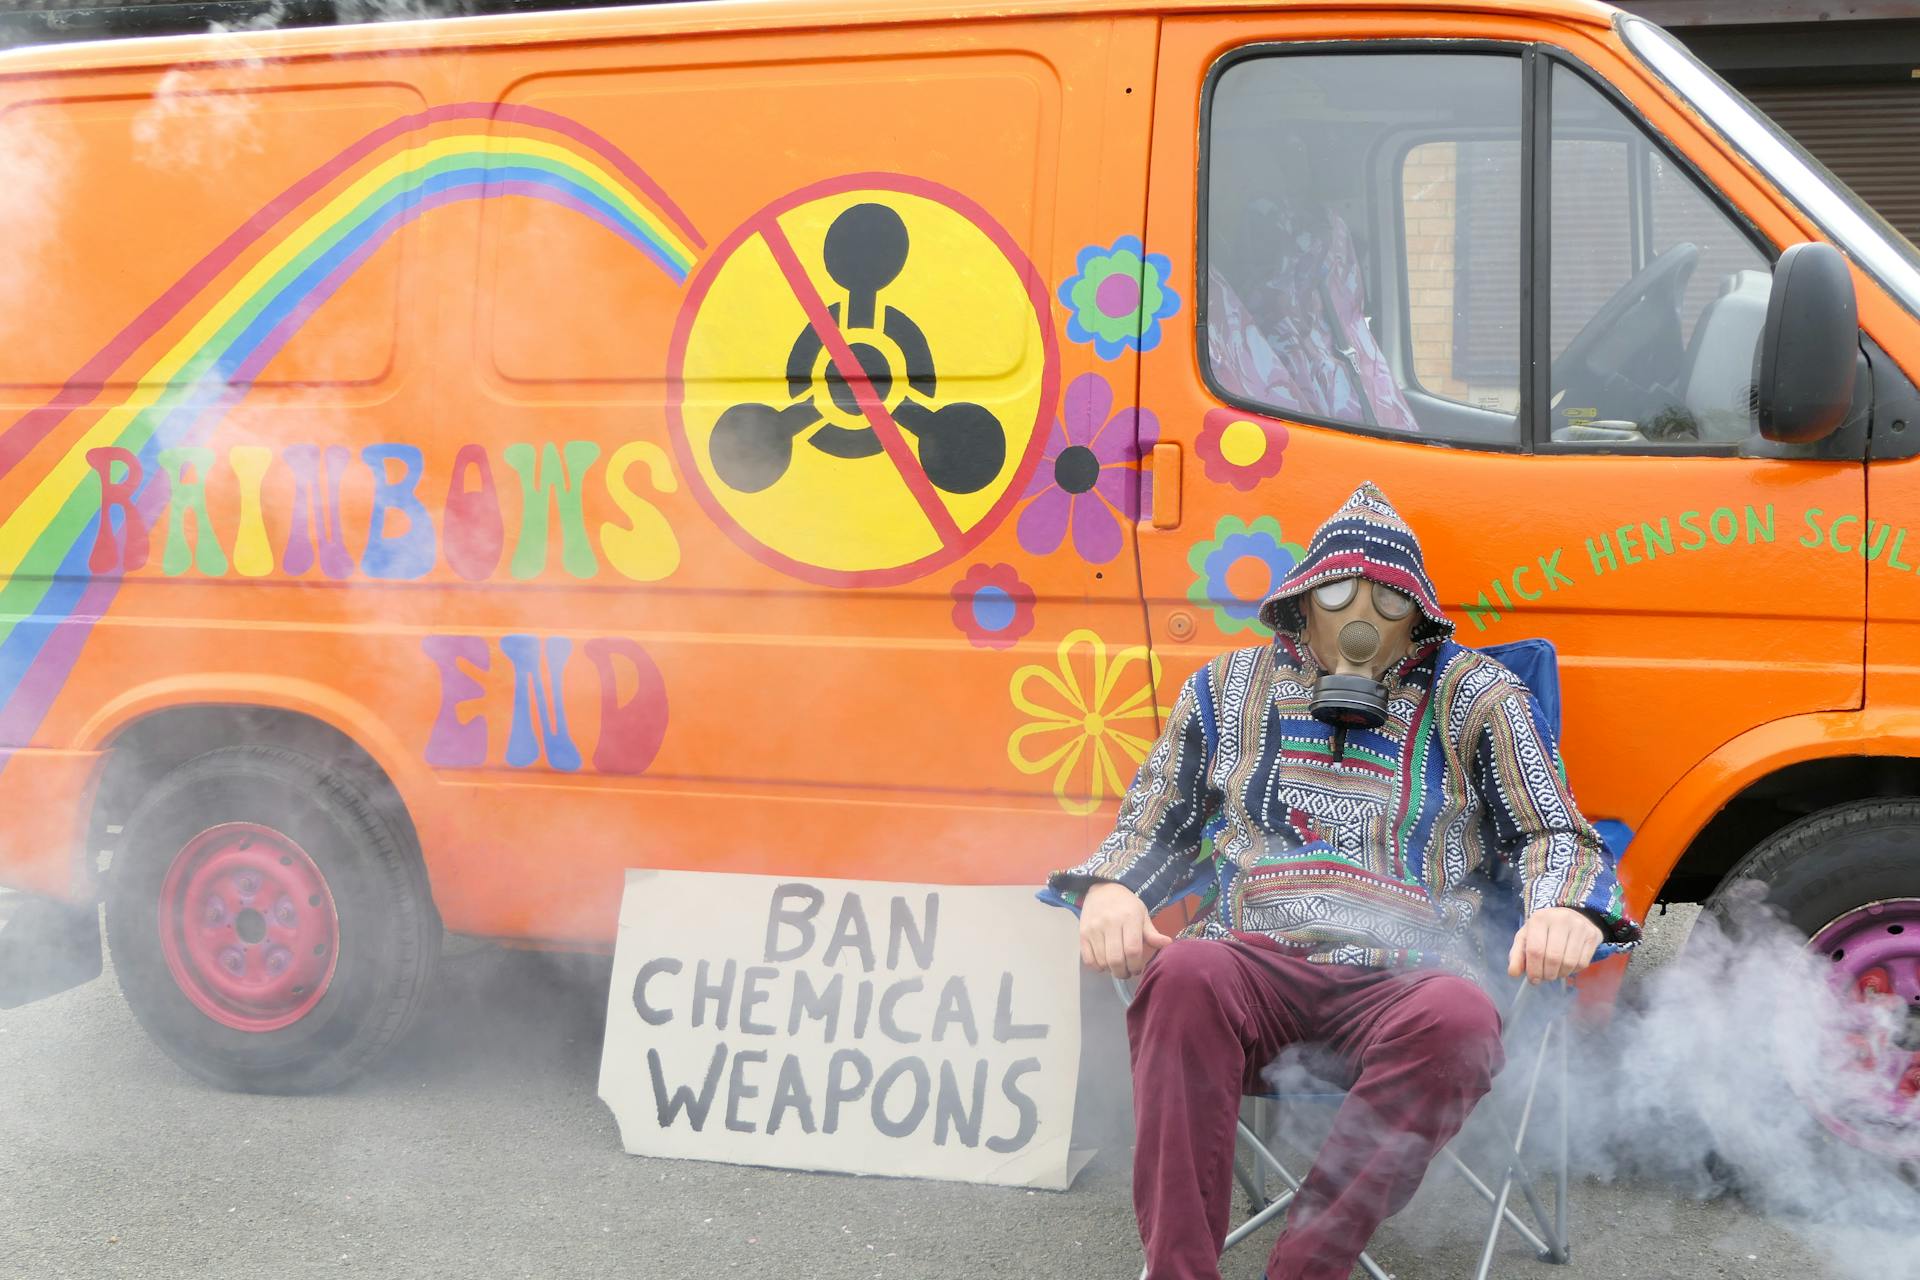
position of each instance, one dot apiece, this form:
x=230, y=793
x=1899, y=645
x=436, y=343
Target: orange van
x=444, y=464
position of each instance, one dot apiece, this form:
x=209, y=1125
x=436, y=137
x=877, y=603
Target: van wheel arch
x=146, y=750
x=1775, y=802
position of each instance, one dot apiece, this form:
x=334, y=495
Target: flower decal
x=992, y=607
x=1118, y=297
x=1091, y=718
x=1239, y=568
x=1088, y=478
x=1239, y=448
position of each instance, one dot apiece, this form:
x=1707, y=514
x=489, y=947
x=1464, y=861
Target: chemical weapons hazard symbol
x=861, y=379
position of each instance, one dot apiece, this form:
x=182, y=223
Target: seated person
x=1359, y=777
x=1299, y=339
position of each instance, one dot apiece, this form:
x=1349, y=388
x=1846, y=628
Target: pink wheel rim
x=1872, y=1095
x=248, y=927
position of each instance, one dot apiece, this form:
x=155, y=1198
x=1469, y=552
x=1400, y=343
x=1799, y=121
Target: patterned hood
x=1365, y=536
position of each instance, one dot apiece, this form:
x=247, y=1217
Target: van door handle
x=1166, y=486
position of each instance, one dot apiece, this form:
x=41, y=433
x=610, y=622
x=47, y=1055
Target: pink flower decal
x=1089, y=477
x=1240, y=448
x=992, y=607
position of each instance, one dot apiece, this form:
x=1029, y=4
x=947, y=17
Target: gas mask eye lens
x=1337, y=595
x=1391, y=604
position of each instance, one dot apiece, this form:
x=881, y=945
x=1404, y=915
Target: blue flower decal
x=1119, y=297
x=1239, y=568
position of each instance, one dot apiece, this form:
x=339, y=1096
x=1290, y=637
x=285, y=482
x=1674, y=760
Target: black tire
x=1830, y=862
x=1819, y=869
x=388, y=937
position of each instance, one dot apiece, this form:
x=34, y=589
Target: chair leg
x=1267, y=1160
x=1523, y=1178
x=1372, y=1268
x=1252, y=1178
x=1264, y=1160
x=1519, y=1137
x=1258, y=1220
x=1274, y=1210
x=1556, y=1247
x=1250, y=1182
x=1562, y=1251
x=1488, y=1194
x=1552, y=1243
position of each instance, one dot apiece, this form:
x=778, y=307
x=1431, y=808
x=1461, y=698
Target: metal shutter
x=1864, y=132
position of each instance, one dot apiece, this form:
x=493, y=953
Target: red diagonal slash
x=855, y=375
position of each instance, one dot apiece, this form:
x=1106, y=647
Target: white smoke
x=196, y=122
x=1698, y=1086
x=202, y=118
x=1704, y=1084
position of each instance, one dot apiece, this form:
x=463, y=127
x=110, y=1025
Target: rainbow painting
x=306, y=243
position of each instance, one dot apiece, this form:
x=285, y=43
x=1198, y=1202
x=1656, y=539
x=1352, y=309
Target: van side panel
x=410, y=391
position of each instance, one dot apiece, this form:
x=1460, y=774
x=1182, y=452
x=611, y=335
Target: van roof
x=690, y=17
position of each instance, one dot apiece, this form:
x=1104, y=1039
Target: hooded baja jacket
x=1382, y=847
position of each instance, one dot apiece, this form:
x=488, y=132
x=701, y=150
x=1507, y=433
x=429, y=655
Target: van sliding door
x=861, y=428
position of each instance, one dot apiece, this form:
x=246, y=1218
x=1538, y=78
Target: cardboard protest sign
x=917, y=1030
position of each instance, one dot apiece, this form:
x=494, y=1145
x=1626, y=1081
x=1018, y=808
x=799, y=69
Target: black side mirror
x=1804, y=383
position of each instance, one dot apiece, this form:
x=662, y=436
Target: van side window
x=1657, y=297
x=1362, y=241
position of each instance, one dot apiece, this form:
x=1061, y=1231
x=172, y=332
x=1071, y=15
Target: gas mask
x=1356, y=629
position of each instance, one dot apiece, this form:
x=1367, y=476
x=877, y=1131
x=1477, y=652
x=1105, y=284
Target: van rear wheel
x=1847, y=878
x=272, y=929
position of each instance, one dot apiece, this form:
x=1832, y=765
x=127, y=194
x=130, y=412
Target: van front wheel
x=1848, y=880
x=270, y=927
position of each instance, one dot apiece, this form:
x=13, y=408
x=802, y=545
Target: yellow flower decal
x=1080, y=727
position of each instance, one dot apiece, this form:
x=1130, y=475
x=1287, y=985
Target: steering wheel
x=1660, y=282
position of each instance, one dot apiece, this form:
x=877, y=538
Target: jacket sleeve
x=1560, y=858
x=1164, y=813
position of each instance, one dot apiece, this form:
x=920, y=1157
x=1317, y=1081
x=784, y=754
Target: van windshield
x=1866, y=237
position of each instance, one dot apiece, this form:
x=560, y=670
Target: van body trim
x=615, y=23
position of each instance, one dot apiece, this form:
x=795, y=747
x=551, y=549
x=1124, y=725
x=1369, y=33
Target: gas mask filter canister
x=1357, y=629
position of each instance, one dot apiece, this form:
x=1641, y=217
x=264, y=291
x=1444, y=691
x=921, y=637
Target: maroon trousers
x=1418, y=1050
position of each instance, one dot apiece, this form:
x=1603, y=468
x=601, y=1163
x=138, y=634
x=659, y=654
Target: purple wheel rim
x=1875, y=955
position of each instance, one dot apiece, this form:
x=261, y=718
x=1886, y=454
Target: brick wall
x=1427, y=183
x=1430, y=191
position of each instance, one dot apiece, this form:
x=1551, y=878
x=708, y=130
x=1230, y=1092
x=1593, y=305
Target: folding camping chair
x=1537, y=1044
x=1534, y=1032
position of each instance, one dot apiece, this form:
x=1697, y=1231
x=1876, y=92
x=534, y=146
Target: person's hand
x=1116, y=933
x=1554, y=943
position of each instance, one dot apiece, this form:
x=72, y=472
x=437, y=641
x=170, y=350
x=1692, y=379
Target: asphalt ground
x=479, y=1148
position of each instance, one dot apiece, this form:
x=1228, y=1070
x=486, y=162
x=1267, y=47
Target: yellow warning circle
x=861, y=378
